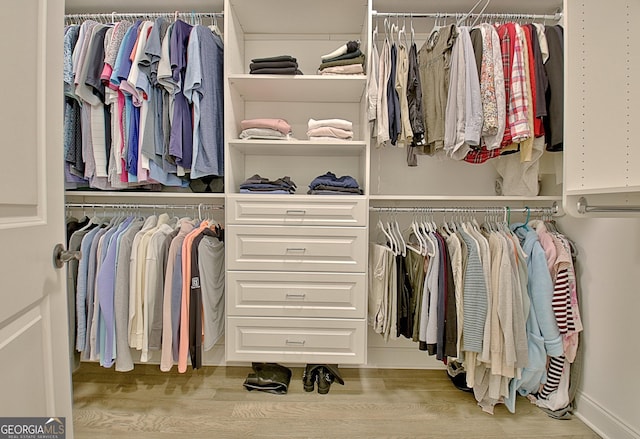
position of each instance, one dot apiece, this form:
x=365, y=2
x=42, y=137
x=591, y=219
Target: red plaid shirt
x=518, y=105
x=479, y=156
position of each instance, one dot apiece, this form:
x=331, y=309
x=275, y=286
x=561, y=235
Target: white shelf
x=299, y=88
x=143, y=195
x=604, y=191
x=299, y=147
x=300, y=197
x=301, y=16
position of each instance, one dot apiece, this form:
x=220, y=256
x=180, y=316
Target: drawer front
x=321, y=212
x=296, y=340
x=341, y=295
x=303, y=248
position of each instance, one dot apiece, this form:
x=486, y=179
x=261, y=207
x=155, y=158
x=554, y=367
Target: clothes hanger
x=413, y=32
x=403, y=244
x=214, y=25
x=389, y=242
x=480, y=13
x=374, y=34
x=432, y=38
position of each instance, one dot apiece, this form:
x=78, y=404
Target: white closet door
x=34, y=341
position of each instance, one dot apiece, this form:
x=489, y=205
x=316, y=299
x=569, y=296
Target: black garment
x=209, y=184
x=74, y=224
x=554, y=126
x=476, y=42
x=442, y=296
x=450, y=315
x=272, y=65
x=352, y=46
x=414, y=99
x=393, y=101
x=277, y=71
x=349, y=55
x=542, y=82
x=404, y=326
x=275, y=59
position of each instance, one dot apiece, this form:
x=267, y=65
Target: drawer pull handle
x=296, y=249
x=300, y=296
x=296, y=211
x=295, y=342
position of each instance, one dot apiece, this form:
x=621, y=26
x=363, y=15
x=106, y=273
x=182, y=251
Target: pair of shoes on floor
x=323, y=375
x=458, y=376
x=268, y=377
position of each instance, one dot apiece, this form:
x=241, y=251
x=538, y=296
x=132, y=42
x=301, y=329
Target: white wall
x=609, y=280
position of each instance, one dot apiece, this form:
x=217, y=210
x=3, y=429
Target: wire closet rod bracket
x=584, y=207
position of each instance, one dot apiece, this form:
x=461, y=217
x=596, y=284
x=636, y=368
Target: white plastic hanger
x=401, y=242
x=389, y=242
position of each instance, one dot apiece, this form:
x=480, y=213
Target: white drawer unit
x=303, y=248
x=285, y=294
x=308, y=211
x=307, y=340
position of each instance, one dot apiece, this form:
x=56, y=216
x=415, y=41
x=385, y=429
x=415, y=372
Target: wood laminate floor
x=373, y=403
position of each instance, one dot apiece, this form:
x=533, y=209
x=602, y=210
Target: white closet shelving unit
x=602, y=165
x=260, y=226
x=296, y=264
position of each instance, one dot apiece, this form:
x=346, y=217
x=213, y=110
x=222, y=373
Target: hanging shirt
x=414, y=98
x=382, y=104
x=434, y=60
x=124, y=361
x=203, y=88
x=212, y=280
x=181, y=139
x=393, y=101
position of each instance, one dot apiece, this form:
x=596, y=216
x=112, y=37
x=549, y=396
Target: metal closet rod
x=541, y=210
x=121, y=15
x=583, y=207
x=200, y=206
x=499, y=16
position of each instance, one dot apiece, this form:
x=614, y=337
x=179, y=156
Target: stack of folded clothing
x=273, y=129
x=329, y=184
x=259, y=185
x=347, y=59
x=330, y=129
x=275, y=65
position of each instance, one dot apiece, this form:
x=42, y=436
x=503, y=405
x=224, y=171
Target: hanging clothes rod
x=115, y=16
x=583, y=207
x=200, y=206
x=499, y=16
x=552, y=210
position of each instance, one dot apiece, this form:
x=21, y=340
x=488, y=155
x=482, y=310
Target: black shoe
x=325, y=378
x=309, y=377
